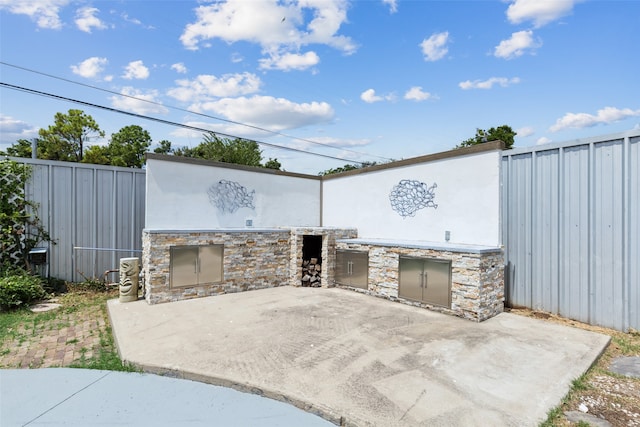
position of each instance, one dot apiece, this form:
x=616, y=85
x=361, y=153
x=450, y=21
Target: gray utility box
x=352, y=268
x=196, y=265
x=426, y=280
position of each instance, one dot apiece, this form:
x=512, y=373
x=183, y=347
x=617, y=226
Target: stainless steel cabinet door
x=184, y=266
x=425, y=280
x=194, y=265
x=437, y=282
x=411, y=275
x=210, y=264
x=342, y=267
x=352, y=268
x=360, y=269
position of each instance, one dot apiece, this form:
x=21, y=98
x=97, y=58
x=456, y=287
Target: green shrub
x=19, y=289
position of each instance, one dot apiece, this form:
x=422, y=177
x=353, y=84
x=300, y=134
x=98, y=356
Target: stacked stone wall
x=252, y=260
x=328, y=253
x=477, y=279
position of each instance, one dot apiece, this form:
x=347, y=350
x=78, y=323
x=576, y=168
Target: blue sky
x=364, y=80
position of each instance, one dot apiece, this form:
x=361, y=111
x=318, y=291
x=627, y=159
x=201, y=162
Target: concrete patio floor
x=360, y=360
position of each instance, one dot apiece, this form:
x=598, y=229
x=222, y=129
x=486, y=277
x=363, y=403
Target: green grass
x=626, y=345
x=105, y=356
x=578, y=385
x=20, y=325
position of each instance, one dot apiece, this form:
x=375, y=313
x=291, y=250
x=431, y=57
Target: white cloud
x=290, y=61
x=525, y=131
x=393, y=5
x=276, y=114
x=340, y=142
x=543, y=140
x=417, y=94
x=435, y=47
x=606, y=115
x=86, y=19
x=277, y=27
x=369, y=96
x=236, y=57
x=138, y=101
x=90, y=68
x=179, y=67
x=489, y=83
x=517, y=45
x=135, y=70
x=44, y=12
x=136, y=21
x=540, y=12
x=205, y=87
x=12, y=130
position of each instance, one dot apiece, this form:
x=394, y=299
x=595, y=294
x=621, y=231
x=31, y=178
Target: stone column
x=129, y=269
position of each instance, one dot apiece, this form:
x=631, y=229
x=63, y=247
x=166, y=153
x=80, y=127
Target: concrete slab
x=361, y=360
x=628, y=366
x=80, y=397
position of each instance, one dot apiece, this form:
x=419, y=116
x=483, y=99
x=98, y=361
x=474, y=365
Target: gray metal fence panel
x=570, y=229
x=633, y=267
x=88, y=206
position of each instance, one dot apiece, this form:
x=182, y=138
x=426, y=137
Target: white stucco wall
x=177, y=197
x=467, y=195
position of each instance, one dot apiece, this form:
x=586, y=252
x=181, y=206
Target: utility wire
x=163, y=121
x=192, y=112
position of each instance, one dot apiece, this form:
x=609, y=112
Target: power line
x=192, y=112
x=163, y=121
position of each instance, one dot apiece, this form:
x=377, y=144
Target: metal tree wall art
x=229, y=196
x=409, y=196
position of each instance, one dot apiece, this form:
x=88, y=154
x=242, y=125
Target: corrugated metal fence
x=571, y=215
x=93, y=207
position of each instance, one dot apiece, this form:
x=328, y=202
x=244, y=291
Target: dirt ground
x=603, y=393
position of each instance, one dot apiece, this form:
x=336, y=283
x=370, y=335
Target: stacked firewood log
x=311, y=270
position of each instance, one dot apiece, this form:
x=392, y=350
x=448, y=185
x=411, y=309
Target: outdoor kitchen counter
x=418, y=244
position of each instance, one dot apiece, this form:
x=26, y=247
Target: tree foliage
x=347, y=167
x=238, y=151
x=273, y=164
x=164, y=147
x=128, y=145
x=22, y=148
x=502, y=133
x=65, y=139
x=126, y=148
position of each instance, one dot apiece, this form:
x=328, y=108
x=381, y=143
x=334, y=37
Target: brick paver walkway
x=57, y=342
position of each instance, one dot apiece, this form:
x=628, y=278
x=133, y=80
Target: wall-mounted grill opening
x=311, y=260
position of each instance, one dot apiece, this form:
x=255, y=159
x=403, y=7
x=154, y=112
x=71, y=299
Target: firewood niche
x=311, y=269
x=312, y=261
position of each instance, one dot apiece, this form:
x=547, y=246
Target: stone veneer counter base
x=477, y=273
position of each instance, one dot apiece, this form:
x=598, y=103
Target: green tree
x=97, y=155
x=65, y=139
x=503, y=133
x=239, y=151
x=128, y=145
x=273, y=164
x=21, y=148
x=347, y=167
x=164, y=147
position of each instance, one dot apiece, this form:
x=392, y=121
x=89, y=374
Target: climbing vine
x=20, y=229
